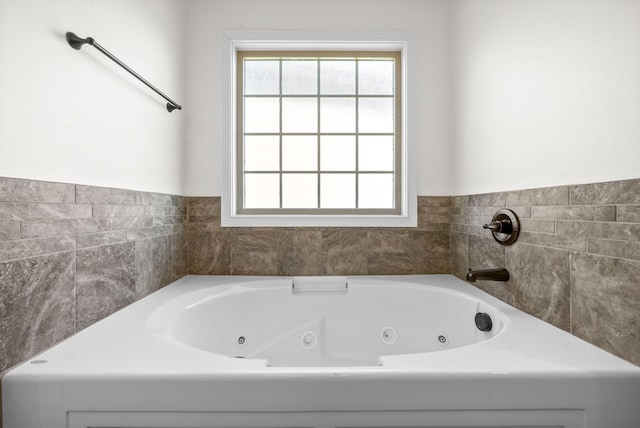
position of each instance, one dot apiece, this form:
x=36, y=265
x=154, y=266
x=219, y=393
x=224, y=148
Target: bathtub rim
x=512, y=354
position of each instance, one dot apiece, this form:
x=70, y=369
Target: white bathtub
x=399, y=351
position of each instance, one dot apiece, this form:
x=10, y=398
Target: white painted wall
x=513, y=93
x=75, y=116
x=544, y=93
x=206, y=19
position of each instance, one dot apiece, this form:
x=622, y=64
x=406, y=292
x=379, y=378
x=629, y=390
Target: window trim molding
x=404, y=41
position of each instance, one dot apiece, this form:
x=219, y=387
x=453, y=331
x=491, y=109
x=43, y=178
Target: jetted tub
x=403, y=351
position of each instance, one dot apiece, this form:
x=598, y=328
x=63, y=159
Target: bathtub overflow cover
x=443, y=339
x=241, y=340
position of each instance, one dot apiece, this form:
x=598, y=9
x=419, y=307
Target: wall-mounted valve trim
x=504, y=226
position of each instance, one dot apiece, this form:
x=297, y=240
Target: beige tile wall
x=576, y=263
x=318, y=251
x=71, y=255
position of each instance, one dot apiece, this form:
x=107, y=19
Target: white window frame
x=403, y=41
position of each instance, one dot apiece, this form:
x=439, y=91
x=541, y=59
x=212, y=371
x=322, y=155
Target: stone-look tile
x=522, y=212
x=101, y=211
x=606, y=302
x=36, y=305
x=590, y=213
x=460, y=201
x=209, y=253
x=487, y=200
x=553, y=230
x=9, y=231
x=390, y=252
x=39, y=218
x=531, y=225
x=49, y=228
x=459, y=254
x=150, y=198
x=469, y=229
x=42, y=211
x=299, y=252
x=23, y=248
x=120, y=223
x=148, y=232
x=104, y=196
x=435, y=219
x=480, y=214
x=612, y=192
x=345, y=251
x=19, y=190
x=254, y=252
x=629, y=213
x=432, y=253
x=204, y=210
x=486, y=253
x=165, y=211
x=434, y=201
x=435, y=214
x=179, y=255
x=542, y=196
x=86, y=240
x=105, y=281
x=540, y=282
x=153, y=265
x=167, y=220
x=618, y=249
x=605, y=230
x=574, y=243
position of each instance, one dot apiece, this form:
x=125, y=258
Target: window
x=317, y=136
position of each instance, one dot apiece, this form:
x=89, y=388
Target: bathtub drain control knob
x=483, y=321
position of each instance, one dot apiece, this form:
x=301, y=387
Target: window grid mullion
x=324, y=96
x=280, y=129
x=357, y=138
x=319, y=185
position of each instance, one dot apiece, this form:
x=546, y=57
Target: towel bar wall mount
x=77, y=42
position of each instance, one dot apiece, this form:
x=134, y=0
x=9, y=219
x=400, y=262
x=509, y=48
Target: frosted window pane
x=261, y=191
x=375, y=115
x=338, y=153
x=337, y=115
x=299, y=153
x=337, y=191
x=261, y=77
x=338, y=77
x=261, y=153
x=300, y=77
x=299, y=191
x=299, y=115
x=375, y=153
x=375, y=191
x=261, y=115
x=375, y=77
